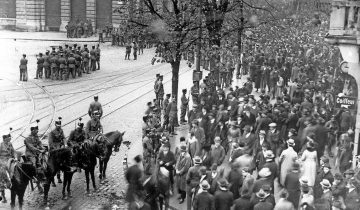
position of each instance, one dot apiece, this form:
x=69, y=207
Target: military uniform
x=46, y=65
x=85, y=58
x=93, y=127
x=77, y=136
x=92, y=59
x=33, y=148
x=78, y=60
x=183, y=107
x=56, y=139
x=23, y=69
x=40, y=66
x=54, y=66
x=97, y=54
x=95, y=106
x=72, y=66
x=63, y=68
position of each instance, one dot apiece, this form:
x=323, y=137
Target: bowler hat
x=205, y=185
x=264, y=172
x=197, y=160
x=223, y=184
x=325, y=183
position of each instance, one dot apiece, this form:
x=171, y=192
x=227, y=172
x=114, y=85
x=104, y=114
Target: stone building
x=53, y=15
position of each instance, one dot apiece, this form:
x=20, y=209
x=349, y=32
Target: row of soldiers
x=74, y=60
x=78, y=29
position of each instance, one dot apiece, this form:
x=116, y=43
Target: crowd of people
x=60, y=63
x=79, y=28
x=243, y=151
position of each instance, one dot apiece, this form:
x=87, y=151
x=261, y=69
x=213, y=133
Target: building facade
x=53, y=15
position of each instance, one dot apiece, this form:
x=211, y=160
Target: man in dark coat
x=192, y=180
x=223, y=197
x=133, y=176
x=167, y=159
x=292, y=185
x=204, y=200
x=243, y=203
x=235, y=178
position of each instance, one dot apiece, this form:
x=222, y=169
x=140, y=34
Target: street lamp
x=344, y=33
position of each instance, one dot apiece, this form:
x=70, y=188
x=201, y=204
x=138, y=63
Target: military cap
x=157, y=75
x=53, y=48
x=96, y=96
x=75, y=45
x=24, y=55
x=161, y=76
x=66, y=45
x=40, y=54
x=79, y=47
x=168, y=95
x=184, y=90
x=85, y=45
x=60, y=47
x=6, y=136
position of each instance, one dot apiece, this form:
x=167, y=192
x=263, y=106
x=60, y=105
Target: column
x=30, y=15
x=91, y=12
x=65, y=14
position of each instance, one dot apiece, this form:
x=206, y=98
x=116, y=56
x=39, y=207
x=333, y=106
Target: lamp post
x=344, y=33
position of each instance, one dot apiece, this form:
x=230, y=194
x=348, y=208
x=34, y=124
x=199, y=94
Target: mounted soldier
x=77, y=136
x=33, y=149
x=93, y=126
x=7, y=152
x=95, y=106
x=57, y=140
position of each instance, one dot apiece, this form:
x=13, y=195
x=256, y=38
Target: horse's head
x=118, y=140
x=101, y=147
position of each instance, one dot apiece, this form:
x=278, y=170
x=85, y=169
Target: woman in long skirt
x=309, y=159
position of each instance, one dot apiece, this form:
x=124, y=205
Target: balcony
x=344, y=22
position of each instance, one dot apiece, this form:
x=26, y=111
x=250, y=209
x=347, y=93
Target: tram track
x=144, y=70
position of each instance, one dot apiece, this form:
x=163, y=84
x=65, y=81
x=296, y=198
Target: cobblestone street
x=123, y=90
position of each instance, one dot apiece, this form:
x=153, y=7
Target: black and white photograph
x=180, y=104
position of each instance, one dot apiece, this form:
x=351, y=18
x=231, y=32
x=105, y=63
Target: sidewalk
x=45, y=36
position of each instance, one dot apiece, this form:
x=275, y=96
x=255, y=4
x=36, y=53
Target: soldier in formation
x=60, y=63
x=79, y=28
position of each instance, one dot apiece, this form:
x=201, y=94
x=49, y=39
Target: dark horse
x=22, y=174
x=57, y=160
x=114, y=140
x=157, y=189
x=90, y=150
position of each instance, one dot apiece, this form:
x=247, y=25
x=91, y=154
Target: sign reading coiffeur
x=346, y=102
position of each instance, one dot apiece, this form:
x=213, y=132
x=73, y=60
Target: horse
x=90, y=150
x=157, y=188
x=22, y=174
x=114, y=140
x=55, y=161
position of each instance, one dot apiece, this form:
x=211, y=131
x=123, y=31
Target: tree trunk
x=175, y=66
